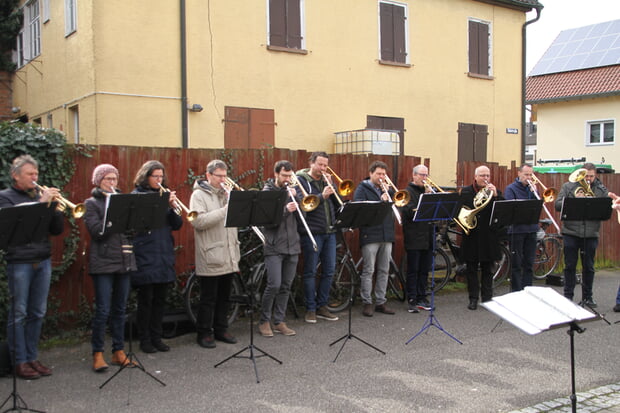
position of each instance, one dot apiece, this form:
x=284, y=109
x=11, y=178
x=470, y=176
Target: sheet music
x=536, y=309
x=105, y=215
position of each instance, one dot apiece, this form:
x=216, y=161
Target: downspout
x=523, y=78
x=184, y=114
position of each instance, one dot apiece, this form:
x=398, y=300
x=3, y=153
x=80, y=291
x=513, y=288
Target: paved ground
x=494, y=370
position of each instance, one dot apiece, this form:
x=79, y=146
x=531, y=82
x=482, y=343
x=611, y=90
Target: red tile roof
x=575, y=84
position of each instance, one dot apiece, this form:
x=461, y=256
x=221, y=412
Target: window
x=479, y=48
x=29, y=38
x=472, y=145
x=46, y=10
x=393, y=32
x=50, y=121
x=248, y=128
x=285, y=24
x=601, y=132
x=74, y=124
x=70, y=16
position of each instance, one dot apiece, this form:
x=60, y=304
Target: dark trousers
x=214, y=304
x=573, y=247
x=523, y=249
x=150, y=313
x=485, y=285
x=418, y=266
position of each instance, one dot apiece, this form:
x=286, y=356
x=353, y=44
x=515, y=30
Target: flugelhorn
x=308, y=202
x=228, y=187
x=401, y=197
x=77, y=210
x=179, y=207
x=549, y=194
x=579, y=176
x=345, y=186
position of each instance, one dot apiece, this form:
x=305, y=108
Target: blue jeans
x=29, y=285
x=573, y=247
x=111, y=293
x=376, y=253
x=523, y=249
x=618, y=296
x=326, y=244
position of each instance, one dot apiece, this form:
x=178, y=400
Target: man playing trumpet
x=29, y=271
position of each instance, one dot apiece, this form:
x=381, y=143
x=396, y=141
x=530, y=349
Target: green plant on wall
x=11, y=19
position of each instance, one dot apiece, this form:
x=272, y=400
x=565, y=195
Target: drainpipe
x=184, y=115
x=523, y=78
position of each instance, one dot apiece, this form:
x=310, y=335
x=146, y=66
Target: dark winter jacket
x=282, y=238
x=154, y=250
x=517, y=190
x=417, y=235
x=581, y=229
x=110, y=253
x=483, y=242
x=366, y=191
x=36, y=251
x=322, y=219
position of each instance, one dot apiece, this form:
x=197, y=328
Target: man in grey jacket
x=580, y=237
x=281, y=252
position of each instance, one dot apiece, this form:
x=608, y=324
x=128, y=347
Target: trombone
x=228, y=187
x=386, y=187
x=308, y=202
x=333, y=189
x=301, y=216
x=179, y=207
x=579, y=176
x=434, y=188
x=401, y=197
x=548, y=195
x=63, y=203
x=345, y=186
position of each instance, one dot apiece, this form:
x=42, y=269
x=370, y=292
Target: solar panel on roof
x=585, y=47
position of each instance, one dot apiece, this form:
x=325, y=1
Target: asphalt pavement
x=497, y=368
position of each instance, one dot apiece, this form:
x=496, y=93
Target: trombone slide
x=303, y=220
x=228, y=188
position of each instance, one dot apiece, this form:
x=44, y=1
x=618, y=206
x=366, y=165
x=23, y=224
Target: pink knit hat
x=101, y=171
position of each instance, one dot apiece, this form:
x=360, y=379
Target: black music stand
x=131, y=214
x=586, y=209
x=537, y=309
x=354, y=215
x=20, y=225
x=253, y=208
x=434, y=208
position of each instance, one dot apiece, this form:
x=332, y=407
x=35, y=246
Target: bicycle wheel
x=340, y=292
x=501, y=267
x=192, y=298
x=547, y=257
x=443, y=269
x=396, y=282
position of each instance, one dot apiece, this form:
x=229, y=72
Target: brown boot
x=119, y=358
x=99, y=363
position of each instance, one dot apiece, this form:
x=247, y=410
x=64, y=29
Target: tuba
x=584, y=189
x=467, y=219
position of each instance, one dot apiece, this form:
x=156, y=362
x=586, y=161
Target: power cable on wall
x=211, y=59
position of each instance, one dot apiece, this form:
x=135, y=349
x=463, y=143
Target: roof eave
x=573, y=97
x=515, y=4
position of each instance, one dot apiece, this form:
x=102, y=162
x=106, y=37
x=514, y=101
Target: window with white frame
x=70, y=16
x=29, y=37
x=393, y=32
x=479, y=47
x=601, y=132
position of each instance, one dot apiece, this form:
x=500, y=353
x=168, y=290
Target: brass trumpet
x=584, y=190
x=179, y=207
x=77, y=210
x=308, y=202
x=345, y=186
x=549, y=194
x=401, y=197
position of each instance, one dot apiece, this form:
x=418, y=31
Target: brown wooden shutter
x=400, y=46
x=262, y=128
x=248, y=128
x=236, y=128
x=478, y=48
x=472, y=142
x=480, y=143
x=387, y=32
x=277, y=23
x=293, y=24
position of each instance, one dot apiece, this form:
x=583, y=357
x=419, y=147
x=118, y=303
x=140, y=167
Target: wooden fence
x=250, y=168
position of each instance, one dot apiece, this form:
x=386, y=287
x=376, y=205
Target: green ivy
x=11, y=20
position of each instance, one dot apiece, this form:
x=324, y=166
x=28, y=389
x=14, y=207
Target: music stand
x=253, y=208
x=354, y=215
x=20, y=225
x=433, y=208
x=537, y=309
x=131, y=214
x=586, y=209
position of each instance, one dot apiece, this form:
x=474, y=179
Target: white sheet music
x=537, y=309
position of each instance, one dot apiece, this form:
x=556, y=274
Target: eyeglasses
x=222, y=176
x=157, y=176
x=110, y=179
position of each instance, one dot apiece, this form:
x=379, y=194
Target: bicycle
x=548, y=251
x=348, y=271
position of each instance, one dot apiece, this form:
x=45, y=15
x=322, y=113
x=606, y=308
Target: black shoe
x=226, y=338
x=423, y=304
x=412, y=307
x=147, y=347
x=473, y=304
x=207, y=341
x=588, y=302
x=617, y=308
x=161, y=346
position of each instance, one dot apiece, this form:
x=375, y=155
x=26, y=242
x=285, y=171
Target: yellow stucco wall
x=562, y=130
x=122, y=67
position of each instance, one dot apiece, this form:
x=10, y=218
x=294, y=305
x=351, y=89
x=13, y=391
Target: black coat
x=417, y=235
x=107, y=254
x=379, y=233
x=483, y=242
x=322, y=219
x=154, y=250
x=32, y=252
x=282, y=238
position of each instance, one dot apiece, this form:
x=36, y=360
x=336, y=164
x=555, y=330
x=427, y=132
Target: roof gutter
x=523, y=77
